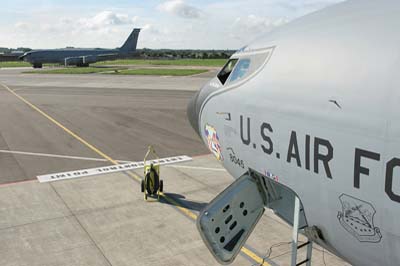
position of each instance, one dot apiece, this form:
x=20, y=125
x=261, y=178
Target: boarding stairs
x=295, y=238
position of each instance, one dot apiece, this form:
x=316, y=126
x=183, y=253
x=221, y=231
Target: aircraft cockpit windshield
x=241, y=69
x=243, y=64
x=224, y=74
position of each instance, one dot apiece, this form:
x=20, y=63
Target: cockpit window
x=240, y=70
x=224, y=74
x=242, y=66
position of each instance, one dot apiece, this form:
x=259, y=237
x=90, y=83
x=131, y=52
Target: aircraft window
x=243, y=66
x=240, y=70
x=224, y=74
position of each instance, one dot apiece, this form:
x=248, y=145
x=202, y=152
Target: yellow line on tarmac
x=87, y=144
x=184, y=210
x=255, y=257
x=193, y=216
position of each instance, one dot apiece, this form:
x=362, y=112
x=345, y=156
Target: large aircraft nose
x=195, y=105
x=25, y=56
x=22, y=57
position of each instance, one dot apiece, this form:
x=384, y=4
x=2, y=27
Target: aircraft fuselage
x=320, y=116
x=58, y=56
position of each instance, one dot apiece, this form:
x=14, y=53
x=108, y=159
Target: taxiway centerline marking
x=39, y=154
x=183, y=210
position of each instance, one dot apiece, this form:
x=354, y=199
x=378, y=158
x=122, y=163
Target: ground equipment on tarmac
x=151, y=185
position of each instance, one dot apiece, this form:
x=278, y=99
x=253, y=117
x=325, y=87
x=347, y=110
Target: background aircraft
x=81, y=57
x=307, y=121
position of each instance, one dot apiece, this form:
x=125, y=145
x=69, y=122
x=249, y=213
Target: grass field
x=120, y=71
x=14, y=64
x=72, y=70
x=159, y=72
x=178, y=62
x=22, y=64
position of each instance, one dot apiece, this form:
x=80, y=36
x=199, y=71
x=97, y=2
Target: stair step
x=304, y=261
x=303, y=245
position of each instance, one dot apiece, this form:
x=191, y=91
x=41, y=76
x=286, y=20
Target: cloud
x=251, y=26
x=306, y=6
x=151, y=29
x=255, y=23
x=208, y=24
x=180, y=8
x=22, y=26
x=103, y=29
x=106, y=19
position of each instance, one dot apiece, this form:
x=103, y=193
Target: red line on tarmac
x=17, y=182
x=201, y=155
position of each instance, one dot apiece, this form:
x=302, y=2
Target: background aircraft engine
x=89, y=59
x=73, y=61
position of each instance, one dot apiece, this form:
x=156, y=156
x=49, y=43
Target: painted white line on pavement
x=110, y=169
x=58, y=156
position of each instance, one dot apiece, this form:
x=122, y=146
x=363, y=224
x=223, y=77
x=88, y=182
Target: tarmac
x=55, y=123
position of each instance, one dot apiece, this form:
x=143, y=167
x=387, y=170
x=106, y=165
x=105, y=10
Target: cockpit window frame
x=239, y=67
x=254, y=67
x=223, y=75
x=241, y=54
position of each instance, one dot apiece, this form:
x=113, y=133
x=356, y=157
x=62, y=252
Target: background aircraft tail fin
x=130, y=43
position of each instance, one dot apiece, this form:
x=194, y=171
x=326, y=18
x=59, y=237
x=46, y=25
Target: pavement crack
x=82, y=226
x=34, y=222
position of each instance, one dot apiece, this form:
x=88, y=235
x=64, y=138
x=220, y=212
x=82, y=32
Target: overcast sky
x=177, y=24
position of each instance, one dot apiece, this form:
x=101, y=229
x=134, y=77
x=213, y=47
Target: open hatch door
x=228, y=220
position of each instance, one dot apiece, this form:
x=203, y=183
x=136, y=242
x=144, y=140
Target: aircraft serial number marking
x=322, y=152
x=234, y=159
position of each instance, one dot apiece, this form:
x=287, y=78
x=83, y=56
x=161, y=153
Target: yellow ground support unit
x=152, y=185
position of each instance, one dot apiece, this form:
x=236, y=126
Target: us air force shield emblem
x=357, y=217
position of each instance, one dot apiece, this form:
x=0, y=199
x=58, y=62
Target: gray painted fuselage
x=81, y=57
x=59, y=55
x=322, y=118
